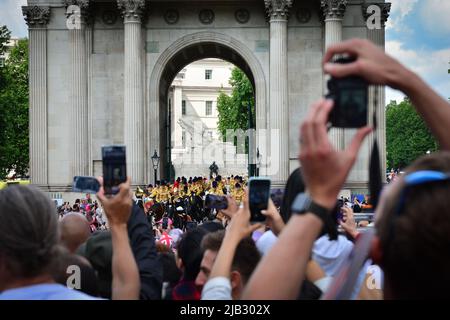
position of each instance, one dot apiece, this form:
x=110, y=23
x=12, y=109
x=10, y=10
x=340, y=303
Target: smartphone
x=85, y=185
x=114, y=168
x=165, y=223
x=213, y=201
x=259, y=193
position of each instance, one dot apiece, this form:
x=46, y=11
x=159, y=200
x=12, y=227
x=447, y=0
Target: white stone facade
x=108, y=81
x=193, y=106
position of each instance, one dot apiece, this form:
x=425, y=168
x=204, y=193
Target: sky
x=417, y=34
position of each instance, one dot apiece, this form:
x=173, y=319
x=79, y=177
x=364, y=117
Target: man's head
x=413, y=226
x=189, y=253
x=28, y=234
x=75, y=230
x=245, y=261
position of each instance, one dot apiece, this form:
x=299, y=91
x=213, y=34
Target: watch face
x=301, y=203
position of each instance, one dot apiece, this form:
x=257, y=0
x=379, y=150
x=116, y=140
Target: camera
x=350, y=96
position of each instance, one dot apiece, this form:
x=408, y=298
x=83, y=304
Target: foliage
x=233, y=110
x=407, y=135
x=14, y=137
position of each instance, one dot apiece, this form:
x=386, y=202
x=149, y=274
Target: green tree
x=4, y=38
x=14, y=144
x=407, y=135
x=233, y=109
x=5, y=35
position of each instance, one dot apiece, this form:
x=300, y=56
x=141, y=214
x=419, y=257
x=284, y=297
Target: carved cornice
x=132, y=10
x=36, y=16
x=385, y=8
x=278, y=9
x=333, y=9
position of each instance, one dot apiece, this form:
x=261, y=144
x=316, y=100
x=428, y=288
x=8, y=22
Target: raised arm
x=380, y=69
x=238, y=229
x=125, y=283
x=281, y=272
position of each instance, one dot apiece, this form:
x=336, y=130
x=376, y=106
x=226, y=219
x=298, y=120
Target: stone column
x=278, y=14
x=89, y=51
x=133, y=13
x=37, y=18
x=77, y=15
x=333, y=14
x=376, y=34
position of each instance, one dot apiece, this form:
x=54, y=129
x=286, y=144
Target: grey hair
x=28, y=231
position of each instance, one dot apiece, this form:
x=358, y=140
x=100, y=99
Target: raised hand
x=324, y=168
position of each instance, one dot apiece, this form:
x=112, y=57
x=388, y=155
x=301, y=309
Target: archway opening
x=189, y=87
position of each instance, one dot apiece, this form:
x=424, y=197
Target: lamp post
x=155, y=161
x=258, y=162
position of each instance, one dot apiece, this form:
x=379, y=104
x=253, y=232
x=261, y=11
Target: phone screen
x=114, y=168
x=165, y=223
x=259, y=193
x=85, y=185
x=213, y=201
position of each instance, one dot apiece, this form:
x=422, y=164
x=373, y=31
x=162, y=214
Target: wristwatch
x=304, y=204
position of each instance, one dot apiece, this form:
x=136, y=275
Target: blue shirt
x=44, y=292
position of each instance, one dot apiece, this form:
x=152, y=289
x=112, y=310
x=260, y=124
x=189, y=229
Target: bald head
x=75, y=230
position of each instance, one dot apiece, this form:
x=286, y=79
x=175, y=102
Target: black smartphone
x=114, y=168
x=213, y=201
x=85, y=185
x=165, y=223
x=350, y=96
x=259, y=193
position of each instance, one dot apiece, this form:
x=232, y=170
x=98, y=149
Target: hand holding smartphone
x=258, y=193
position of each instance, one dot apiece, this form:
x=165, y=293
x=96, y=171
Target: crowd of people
x=151, y=250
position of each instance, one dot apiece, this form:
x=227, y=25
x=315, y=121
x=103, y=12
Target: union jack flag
x=166, y=239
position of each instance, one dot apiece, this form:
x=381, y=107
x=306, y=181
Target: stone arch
x=188, y=49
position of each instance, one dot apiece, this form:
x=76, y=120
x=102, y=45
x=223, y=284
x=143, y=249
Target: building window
x=208, y=74
x=210, y=134
x=208, y=110
x=183, y=139
x=183, y=107
x=2, y=62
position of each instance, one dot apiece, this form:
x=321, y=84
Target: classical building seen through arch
x=101, y=71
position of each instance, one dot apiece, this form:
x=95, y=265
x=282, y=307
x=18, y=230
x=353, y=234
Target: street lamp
x=428, y=152
x=258, y=162
x=155, y=162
